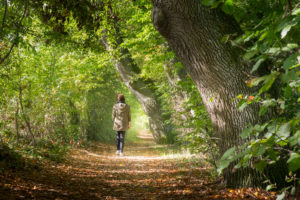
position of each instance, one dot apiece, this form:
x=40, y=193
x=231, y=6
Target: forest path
x=96, y=172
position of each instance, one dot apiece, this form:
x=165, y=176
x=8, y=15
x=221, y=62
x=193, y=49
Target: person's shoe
x=117, y=152
x=121, y=154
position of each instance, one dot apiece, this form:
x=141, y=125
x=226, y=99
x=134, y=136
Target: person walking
x=121, y=118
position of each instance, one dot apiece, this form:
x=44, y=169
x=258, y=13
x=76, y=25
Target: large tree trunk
x=194, y=32
x=129, y=71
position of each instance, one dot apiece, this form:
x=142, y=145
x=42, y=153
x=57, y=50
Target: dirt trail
x=97, y=173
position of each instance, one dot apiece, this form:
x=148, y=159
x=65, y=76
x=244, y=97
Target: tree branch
x=8, y=53
x=4, y=15
x=17, y=35
x=288, y=8
x=23, y=16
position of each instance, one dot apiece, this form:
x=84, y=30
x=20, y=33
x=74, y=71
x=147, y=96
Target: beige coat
x=121, y=116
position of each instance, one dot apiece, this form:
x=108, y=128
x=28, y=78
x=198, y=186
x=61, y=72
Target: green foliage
x=270, y=38
x=148, y=49
x=46, y=89
x=13, y=23
x=59, y=85
x=226, y=159
x=196, y=134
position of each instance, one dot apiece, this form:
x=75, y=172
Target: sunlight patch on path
x=142, y=158
x=114, y=157
x=145, y=135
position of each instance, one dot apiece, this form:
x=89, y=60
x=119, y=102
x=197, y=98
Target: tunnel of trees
x=220, y=77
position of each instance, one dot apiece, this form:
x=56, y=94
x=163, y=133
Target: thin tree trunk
x=126, y=68
x=128, y=71
x=17, y=122
x=195, y=32
x=25, y=117
x=23, y=114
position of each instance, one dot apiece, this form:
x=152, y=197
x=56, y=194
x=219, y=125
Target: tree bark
x=194, y=32
x=17, y=122
x=129, y=71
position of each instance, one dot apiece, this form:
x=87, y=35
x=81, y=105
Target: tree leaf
x=249, y=54
x=269, y=82
x=294, y=162
x=293, y=190
x=257, y=64
x=260, y=165
x=262, y=110
x=261, y=149
x=285, y=31
x=260, y=128
x=295, y=139
x=273, y=50
x=289, y=76
x=243, y=106
x=284, y=131
x=269, y=102
x=228, y=153
x=227, y=7
x=296, y=11
x=281, y=196
x=226, y=159
x=256, y=81
x=290, y=61
x=212, y=3
x=290, y=47
x=246, y=133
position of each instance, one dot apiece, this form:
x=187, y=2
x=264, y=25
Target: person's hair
x=121, y=98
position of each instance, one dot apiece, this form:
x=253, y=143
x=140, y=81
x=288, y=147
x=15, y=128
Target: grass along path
x=143, y=173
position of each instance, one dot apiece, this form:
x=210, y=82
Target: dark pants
x=120, y=140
